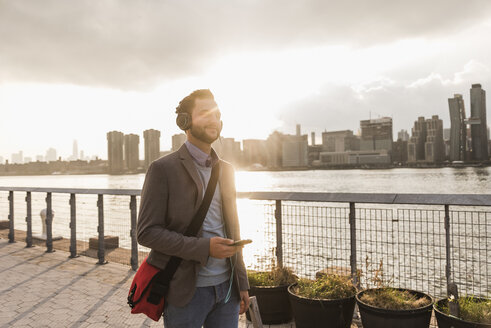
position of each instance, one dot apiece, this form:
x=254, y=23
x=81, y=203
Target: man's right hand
x=220, y=247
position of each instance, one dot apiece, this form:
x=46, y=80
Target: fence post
x=352, y=223
x=447, y=245
x=134, y=244
x=100, y=229
x=279, y=234
x=49, y=223
x=29, y=219
x=73, y=226
x=11, y=217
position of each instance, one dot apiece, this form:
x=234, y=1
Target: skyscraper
x=458, y=128
x=339, y=141
x=295, y=149
x=478, y=123
x=51, y=155
x=416, y=144
x=403, y=135
x=17, y=158
x=255, y=151
x=131, y=151
x=376, y=134
x=152, y=146
x=434, y=146
x=178, y=140
x=115, y=141
x=75, y=150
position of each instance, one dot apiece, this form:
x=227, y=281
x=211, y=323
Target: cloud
x=340, y=107
x=141, y=44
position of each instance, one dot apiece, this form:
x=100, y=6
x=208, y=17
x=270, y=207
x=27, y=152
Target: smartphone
x=241, y=242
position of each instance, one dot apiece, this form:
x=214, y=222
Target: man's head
x=199, y=116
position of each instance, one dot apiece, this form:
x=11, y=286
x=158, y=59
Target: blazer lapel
x=187, y=162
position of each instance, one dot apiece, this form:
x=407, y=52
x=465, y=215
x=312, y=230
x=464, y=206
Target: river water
x=410, y=242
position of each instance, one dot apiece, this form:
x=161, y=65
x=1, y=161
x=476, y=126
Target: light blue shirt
x=216, y=270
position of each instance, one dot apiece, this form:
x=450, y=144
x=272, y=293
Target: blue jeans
x=207, y=308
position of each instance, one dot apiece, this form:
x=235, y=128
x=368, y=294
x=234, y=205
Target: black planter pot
x=446, y=321
x=312, y=313
x=374, y=317
x=273, y=302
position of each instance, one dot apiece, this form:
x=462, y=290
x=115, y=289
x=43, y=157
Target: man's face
x=206, y=124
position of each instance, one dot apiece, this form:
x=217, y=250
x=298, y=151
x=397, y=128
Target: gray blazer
x=171, y=195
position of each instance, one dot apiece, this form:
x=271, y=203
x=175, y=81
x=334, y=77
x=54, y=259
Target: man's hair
x=187, y=103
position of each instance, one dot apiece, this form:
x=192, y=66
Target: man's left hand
x=244, y=301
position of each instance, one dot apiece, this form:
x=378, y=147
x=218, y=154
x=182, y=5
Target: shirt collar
x=200, y=157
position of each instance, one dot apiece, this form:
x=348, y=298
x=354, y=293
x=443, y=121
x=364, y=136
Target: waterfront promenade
x=42, y=289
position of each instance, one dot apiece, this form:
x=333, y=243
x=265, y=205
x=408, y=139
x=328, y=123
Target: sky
x=75, y=70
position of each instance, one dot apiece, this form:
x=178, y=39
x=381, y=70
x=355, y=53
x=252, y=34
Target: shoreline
x=293, y=169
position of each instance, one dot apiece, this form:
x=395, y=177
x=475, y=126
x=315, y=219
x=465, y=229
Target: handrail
x=328, y=197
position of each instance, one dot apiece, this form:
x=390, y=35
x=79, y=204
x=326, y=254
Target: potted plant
x=326, y=301
x=474, y=312
x=270, y=289
x=385, y=306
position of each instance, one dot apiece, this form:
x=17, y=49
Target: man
x=210, y=286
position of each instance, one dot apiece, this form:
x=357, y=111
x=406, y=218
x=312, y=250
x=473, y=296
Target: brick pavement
x=40, y=289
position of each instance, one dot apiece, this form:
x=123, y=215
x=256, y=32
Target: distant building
x=478, y=124
x=255, y=151
x=275, y=149
x=17, y=158
x=152, y=146
x=360, y=157
x=416, y=144
x=434, y=145
x=446, y=134
x=295, y=150
x=403, y=135
x=51, y=155
x=339, y=141
x=312, y=138
x=27, y=159
x=115, y=141
x=131, y=151
x=75, y=151
x=399, y=151
x=228, y=149
x=376, y=134
x=1, y=160
x=39, y=158
x=458, y=128
x=178, y=140
x=314, y=155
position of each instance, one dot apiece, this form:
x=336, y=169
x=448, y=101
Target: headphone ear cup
x=183, y=121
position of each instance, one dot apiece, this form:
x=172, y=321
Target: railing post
x=279, y=234
x=29, y=219
x=352, y=223
x=49, y=223
x=134, y=244
x=11, y=217
x=73, y=226
x=100, y=229
x=448, y=273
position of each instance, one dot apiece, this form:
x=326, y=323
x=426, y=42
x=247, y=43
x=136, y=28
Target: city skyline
x=271, y=65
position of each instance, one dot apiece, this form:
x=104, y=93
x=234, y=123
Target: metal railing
x=445, y=238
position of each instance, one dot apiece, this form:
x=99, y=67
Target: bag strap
x=163, y=277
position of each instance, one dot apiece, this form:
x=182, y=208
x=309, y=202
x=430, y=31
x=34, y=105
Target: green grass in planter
x=276, y=277
x=472, y=310
x=326, y=287
x=393, y=299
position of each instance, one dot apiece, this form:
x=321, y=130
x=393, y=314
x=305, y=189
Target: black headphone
x=183, y=121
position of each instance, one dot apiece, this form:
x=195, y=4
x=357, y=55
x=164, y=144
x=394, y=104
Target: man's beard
x=200, y=134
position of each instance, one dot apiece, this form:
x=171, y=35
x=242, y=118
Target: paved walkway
x=40, y=289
